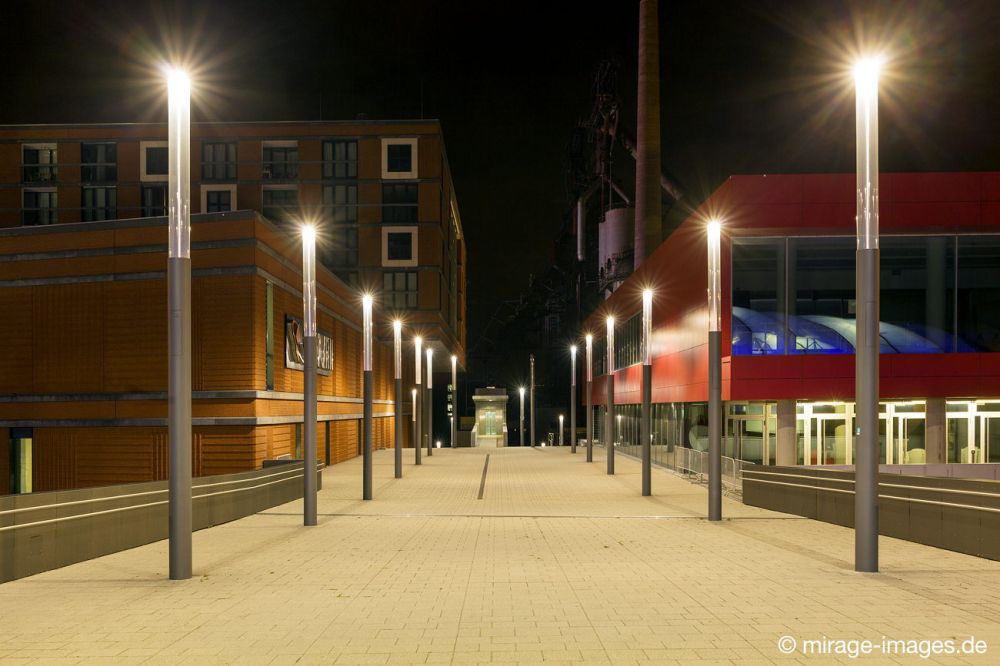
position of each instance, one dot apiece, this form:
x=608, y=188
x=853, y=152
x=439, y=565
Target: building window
x=978, y=311
x=40, y=206
x=399, y=158
x=340, y=159
x=20, y=460
x=280, y=203
x=40, y=163
x=399, y=246
x=399, y=202
x=340, y=249
x=341, y=203
x=280, y=160
x=99, y=162
x=154, y=200
x=218, y=161
x=99, y=203
x=153, y=161
x=218, y=198
x=399, y=289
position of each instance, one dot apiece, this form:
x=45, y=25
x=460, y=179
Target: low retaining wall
x=43, y=531
x=955, y=514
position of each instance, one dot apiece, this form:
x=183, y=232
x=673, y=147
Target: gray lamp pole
x=397, y=364
x=309, y=375
x=866, y=74
x=647, y=392
x=418, y=435
x=179, y=325
x=609, y=416
x=531, y=400
x=572, y=399
x=366, y=339
x=454, y=400
x=590, y=397
x=714, y=375
x=429, y=408
x=413, y=419
x=520, y=427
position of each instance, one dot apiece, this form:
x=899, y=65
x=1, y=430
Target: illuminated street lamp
x=609, y=421
x=454, y=400
x=866, y=388
x=572, y=399
x=429, y=407
x=520, y=426
x=309, y=374
x=645, y=431
x=531, y=400
x=397, y=358
x=714, y=374
x=561, y=441
x=179, y=325
x=418, y=392
x=366, y=349
x=590, y=397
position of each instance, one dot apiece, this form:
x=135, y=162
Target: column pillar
x=786, y=454
x=936, y=431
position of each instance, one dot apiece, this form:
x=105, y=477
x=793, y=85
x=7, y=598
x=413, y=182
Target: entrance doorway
x=20, y=460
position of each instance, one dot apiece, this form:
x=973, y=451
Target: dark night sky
x=748, y=87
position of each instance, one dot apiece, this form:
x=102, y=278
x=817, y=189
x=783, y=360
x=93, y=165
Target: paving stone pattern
x=558, y=562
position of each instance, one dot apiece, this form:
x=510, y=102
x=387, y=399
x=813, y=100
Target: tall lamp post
x=590, y=397
x=520, y=425
x=561, y=441
x=309, y=375
x=531, y=401
x=609, y=416
x=429, y=408
x=179, y=326
x=397, y=358
x=647, y=392
x=714, y=374
x=366, y=333
x=866, y=389
x=418, y=392
x=572, y=399
x=454, y=400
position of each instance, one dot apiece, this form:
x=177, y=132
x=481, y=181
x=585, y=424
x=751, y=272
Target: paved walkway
x=557, y=563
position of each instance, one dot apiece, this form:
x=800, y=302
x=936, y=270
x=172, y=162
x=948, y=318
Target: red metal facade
x=797, y=205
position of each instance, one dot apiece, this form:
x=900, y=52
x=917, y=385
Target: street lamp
x=418, y=393
x=590, y=397
x=561, y=441
x=454, y=400
x=520, y=426
x=572, y=399
x=531, y=400
x=609, y=422
x=866, y=389
x=309, y=375
x=397, y=357
x=179, y=325
x=645, y=434
x=429, y=407
x=714, y=374
x=366, y=337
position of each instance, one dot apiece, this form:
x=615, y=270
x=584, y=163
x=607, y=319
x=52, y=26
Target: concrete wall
x=43, y=531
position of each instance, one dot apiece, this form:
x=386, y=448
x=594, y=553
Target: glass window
x=154, y=200
x=99, y=162
x=280, y=162
x=157, y=162
x=399, y=289
x=39, y=163
x=399, y=157
x=979, y=293
x=218, y=201
x=917, y=283
x=340, y=248
x=280, y=204
x=218, y=160
x=758, y=296
x=341, y=203
x=399, y=202
x=40, y=207
x=399, y=245
x=340, y=159
x=99, y=203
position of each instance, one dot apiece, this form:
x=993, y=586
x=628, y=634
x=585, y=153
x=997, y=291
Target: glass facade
x=796, y=295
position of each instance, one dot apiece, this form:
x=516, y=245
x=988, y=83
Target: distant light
x=437, y=444
x=454, y=359
x=308, y=233
x=522, y=391
x=367, y=300
x=397, y=326
x=611, y=321
x=572, y=349
x=589, y=338
x=867, y=70
x=178, y=81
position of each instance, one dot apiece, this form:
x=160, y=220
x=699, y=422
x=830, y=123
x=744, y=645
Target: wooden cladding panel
x=16, y=352
x=225, y=450
x=222, y=341
x=4, y=461
x=67, y=331
x=344, y=440
x=81, y=457
x=135, y=336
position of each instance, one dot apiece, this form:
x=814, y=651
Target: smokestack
x=648, y=219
